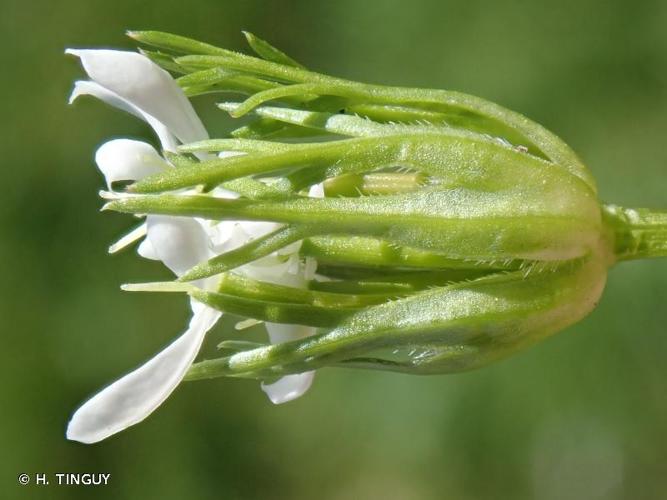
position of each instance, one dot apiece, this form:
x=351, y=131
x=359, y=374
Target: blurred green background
x=580, y=416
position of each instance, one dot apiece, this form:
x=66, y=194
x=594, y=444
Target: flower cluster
x=412, y=230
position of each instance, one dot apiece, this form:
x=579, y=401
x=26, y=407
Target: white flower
x=132, y=82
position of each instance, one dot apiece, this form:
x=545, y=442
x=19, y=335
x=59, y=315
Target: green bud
x=446, y=329
x=452, y=232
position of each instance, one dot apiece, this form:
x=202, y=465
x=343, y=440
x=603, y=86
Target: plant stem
x=638, y=233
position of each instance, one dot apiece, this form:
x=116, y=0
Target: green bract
x=452, y=231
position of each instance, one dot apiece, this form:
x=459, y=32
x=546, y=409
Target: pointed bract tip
x=135, y=34
x=110, y=206
x=158, y=286
x=185, y=278
x=191, y=275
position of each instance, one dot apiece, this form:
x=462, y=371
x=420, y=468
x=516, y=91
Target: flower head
x=135, y=84
x=421, y=231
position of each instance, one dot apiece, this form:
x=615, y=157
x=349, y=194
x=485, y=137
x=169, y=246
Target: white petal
x=167, y=139
x=288, y=387
x=316, y=191
x=128, y=160
x=141, y=82
x=292, y=387
x=146, y=250
x=86, y=87
x=271, y=270
x=229, y=154
x=310, y=268
x=220, y=235
x=291, y=249
x=220, y=192
x=228, y=235
x=136, y=395
x=295, y=268
x=279, y=332
x=179, y=242
x=257, y=229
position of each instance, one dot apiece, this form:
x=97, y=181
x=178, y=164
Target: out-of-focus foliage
x=581, y=416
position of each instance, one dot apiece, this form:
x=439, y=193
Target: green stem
x=637, y=233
